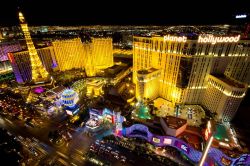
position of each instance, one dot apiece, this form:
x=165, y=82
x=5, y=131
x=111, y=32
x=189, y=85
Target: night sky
x=122, y=12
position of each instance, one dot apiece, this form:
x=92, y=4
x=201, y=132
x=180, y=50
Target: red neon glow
x=206, y=134
x=10, y=57
x=113, y=119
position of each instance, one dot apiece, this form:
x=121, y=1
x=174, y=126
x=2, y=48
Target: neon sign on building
x=212, y=39
x=175, y=38
x=241, y=16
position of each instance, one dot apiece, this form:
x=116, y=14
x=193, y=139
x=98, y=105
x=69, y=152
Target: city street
x=71, y=152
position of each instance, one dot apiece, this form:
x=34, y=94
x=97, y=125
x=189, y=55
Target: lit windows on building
x=39, y=73
x=147, y=83
x=99, y=55
x=223, y=96
x=93, y=56
x=21, y=64
x=69, y=54
x=185, y=64
x=102, y=52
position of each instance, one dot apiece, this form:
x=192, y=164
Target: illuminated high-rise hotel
x=186, y=65
x=99, y=55
x=39, y=73
x=102, y=52
x=223, y=96
x=69, y=54
x=92, y=56
x=21, y=63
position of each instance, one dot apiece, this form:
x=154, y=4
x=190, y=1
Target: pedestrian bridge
x=214, y=154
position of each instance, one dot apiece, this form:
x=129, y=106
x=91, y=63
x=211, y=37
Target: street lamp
x=204, y=155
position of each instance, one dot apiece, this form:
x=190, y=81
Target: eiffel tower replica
x=39, y=73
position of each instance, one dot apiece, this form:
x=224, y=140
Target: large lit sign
x=167, y=141
x=182, y=146
x=243, y=159
x=156, y=140
x=175, y=38
x=241, y=16
x=212, y=39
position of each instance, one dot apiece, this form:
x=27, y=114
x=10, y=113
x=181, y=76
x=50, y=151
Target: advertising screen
x=182, y=146
x=167, y=141
x=156, y=140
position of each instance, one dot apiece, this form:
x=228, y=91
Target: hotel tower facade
x=188, y=66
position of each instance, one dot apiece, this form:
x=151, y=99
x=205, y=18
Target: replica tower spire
x=39, y=73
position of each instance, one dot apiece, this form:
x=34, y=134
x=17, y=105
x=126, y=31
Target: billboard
x=167, y=141
x=182, y=146
x=156, y=140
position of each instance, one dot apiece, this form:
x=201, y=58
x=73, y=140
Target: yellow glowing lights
x=21, y=18
x=224, y=144
x=38, y=70
x=20, y=14
x=209, y=126
x=175, y=38
x=226, y=92
x=212, y=39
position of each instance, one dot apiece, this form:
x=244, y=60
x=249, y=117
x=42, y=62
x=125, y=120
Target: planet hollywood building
x=191, y=69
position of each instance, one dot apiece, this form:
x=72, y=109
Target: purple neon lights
x=5, y=48
x=38, y=90
x=141, y=131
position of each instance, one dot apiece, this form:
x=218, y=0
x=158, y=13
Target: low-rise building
x=173, y=126
x=94, y=87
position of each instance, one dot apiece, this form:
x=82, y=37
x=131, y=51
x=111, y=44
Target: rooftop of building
x=174, y=122
x=229, y=81
x=55, y=90
x=148, y=71
x=160, y=101
x=94, y=82
x=114, y=70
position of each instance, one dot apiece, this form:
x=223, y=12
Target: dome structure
x=69, y=97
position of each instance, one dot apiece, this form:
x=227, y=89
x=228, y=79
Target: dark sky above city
x=126, y=12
